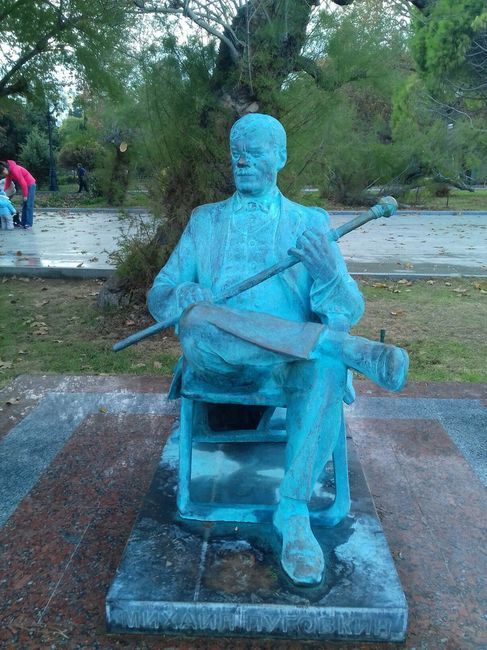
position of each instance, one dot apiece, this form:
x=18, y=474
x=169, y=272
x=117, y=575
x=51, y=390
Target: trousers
x=27, y=218
x=226, y=345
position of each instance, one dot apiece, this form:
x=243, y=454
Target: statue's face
x=256, y=160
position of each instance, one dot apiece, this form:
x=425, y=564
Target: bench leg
x=185, y=454
x=341, y=505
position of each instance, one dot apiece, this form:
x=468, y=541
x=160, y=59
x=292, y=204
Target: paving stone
x=61, y=544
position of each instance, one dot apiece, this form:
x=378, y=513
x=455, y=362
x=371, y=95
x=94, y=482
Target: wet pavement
x=77, y=455
x=418, y=243
x=66, y=243
x=78, y=243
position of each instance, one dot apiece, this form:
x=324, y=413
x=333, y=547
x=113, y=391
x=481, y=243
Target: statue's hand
x=192, y=293
x=313, y=250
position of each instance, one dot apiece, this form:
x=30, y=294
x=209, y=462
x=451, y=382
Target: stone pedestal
x=188, y=578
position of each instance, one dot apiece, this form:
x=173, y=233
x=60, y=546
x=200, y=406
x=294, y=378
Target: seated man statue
x=290, y=331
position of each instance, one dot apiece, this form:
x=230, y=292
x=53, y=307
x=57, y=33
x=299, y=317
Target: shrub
x=140, y=253
x=34, y=155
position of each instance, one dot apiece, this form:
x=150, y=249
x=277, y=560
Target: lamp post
x=53, y=186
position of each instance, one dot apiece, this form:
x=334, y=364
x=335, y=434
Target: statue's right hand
x=193, y=293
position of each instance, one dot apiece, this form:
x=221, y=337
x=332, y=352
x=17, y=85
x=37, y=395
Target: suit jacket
x=198, y=259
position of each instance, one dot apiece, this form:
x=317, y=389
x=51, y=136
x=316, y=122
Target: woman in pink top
x=27, y=184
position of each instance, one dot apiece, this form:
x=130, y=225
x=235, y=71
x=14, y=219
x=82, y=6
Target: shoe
x=18, y=225
x=301, y=555
x=386, y=365
x=27, y=227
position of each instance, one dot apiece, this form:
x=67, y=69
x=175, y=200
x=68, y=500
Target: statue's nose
x=241, y=162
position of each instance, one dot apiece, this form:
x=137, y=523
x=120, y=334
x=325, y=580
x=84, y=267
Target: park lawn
x=458, y=201
x=68, y=197
x=441, y=323
x=55, y=326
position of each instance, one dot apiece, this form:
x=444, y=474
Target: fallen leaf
x=129, y=322
x=79, y=265
x=430, y=281
x=157, y=365
x=103, y=409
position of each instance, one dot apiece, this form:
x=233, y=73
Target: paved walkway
x=77, y=455
x=78, y=243
x=69, y=243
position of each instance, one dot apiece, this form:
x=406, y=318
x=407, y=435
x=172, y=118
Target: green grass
x=69, y=334
x=440, y=322
x=457, y=201
x=55, y=326
x=68, y=197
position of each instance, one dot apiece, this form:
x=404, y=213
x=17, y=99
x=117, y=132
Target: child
x=27, y=184
x=7, y=211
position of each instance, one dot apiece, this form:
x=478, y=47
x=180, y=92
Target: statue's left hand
x=313, y=250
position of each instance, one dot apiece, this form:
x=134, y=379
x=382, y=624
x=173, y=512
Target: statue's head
x=258, y=153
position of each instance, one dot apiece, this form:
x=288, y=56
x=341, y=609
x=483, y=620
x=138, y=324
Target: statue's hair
x=253, y=122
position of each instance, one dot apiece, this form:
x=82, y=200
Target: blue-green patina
x=283, y=342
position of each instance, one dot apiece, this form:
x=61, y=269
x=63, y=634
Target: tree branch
x=181, y=7
x=36, y=49
x=304, y=64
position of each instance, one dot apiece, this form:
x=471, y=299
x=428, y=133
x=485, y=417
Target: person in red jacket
x=23, y=179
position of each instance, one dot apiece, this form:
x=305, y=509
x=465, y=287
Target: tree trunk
x=271, y=35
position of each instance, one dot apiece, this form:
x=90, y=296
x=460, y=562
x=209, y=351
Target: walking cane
x=386, y=207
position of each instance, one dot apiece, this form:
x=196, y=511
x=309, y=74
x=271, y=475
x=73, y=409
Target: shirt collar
x=249, y=203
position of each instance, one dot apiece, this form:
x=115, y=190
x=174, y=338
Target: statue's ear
x=281, y=157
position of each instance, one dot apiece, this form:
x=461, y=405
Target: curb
x=408, y=275
x=95, y=209
x=57, y=273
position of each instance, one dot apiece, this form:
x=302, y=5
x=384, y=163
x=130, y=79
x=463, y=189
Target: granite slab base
x=191, y=578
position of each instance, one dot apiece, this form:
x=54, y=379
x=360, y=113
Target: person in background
x=11, y=171
x=83, y=184
x=7, y=211
x=12, y=190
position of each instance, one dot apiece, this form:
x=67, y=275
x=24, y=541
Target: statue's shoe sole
x=394, y=365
